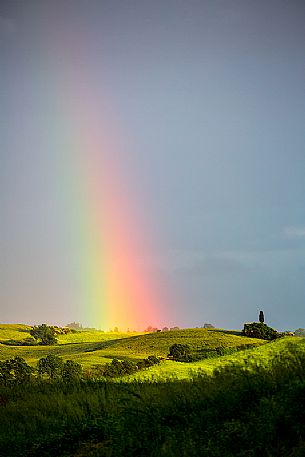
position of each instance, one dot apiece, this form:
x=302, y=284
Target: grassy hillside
x=77, y=346
x=159, y=343
x=251, y=406
x=14, y=332
x=261, y=356
x=94, y=347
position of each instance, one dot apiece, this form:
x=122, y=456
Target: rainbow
x=110, y=241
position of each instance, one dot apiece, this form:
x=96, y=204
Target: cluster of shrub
x=62, y=330
x=42, y=335
x=45, y=335
x=185, y=353
x=52, y=367
x=263, y=331
x=17, y=371
x=119, y=368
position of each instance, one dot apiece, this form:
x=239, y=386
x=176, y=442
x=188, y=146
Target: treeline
x=41, y=335
x=186, y=353
x=118, y=368
x=52, y=367
x=17, y=371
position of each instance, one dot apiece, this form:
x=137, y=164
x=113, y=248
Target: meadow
x=95, y=347
x=245, y=404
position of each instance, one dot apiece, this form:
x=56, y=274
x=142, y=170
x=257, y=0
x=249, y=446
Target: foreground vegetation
x=245, y=408
x=245, y=400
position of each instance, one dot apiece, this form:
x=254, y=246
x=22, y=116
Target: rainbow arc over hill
x=110, y=240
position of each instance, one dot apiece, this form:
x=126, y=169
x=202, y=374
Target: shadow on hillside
x=229, y=332
x=107, y=344
x=18, y=343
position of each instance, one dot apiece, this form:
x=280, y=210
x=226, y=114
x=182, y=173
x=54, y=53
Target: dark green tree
x=260, y=330
x=153, y=360
x=44, y=334
x=261, y=317
x=15, y=370
x=180, y=352
x=71, y=371
x=50, y=366
x=119, y=368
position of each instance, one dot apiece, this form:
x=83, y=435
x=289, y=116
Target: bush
x=15, y=370
x=260, y=330
x=50, y=366
x=119, y=368
x=153, y=360
x=71, y=371
x=182, y=353
x=60, y=330
x=44, y=333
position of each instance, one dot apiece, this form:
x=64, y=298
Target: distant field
x=79, y=346
x=14, y=332
x=95, y=347
x=159, y=343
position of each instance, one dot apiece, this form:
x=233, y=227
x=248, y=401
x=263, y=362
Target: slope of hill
x=14, y=332
x=159, y=343
x=93, y=347
x=260, y=356
x=251, y=405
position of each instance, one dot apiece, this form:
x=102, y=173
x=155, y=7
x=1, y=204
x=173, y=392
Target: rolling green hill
x=247, y=404
x=95, y=347
x=261, y=355
x=159, y=343
x=14, y=332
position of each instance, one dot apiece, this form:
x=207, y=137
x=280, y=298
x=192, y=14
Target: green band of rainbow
x=110, y=242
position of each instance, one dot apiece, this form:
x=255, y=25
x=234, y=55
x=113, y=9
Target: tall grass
x=243, y=409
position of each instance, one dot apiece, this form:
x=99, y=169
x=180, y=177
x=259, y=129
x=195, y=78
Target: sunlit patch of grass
x=85, y=336
x=95, y=347
x=258, y=356
x=159, y=343
x=14, y=332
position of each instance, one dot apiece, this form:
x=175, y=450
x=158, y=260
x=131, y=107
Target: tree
x=44, y=333
x=261, y=317
x=180, y=352
x=71, y=371
x=260, y=330
x=149, y=329
x=153, y=360
x=15, y=370
x=50, y=366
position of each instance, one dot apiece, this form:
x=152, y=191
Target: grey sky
x=210, y=97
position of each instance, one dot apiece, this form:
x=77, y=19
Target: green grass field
x=247, y=404
x=14, y=332
x=90, y=348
